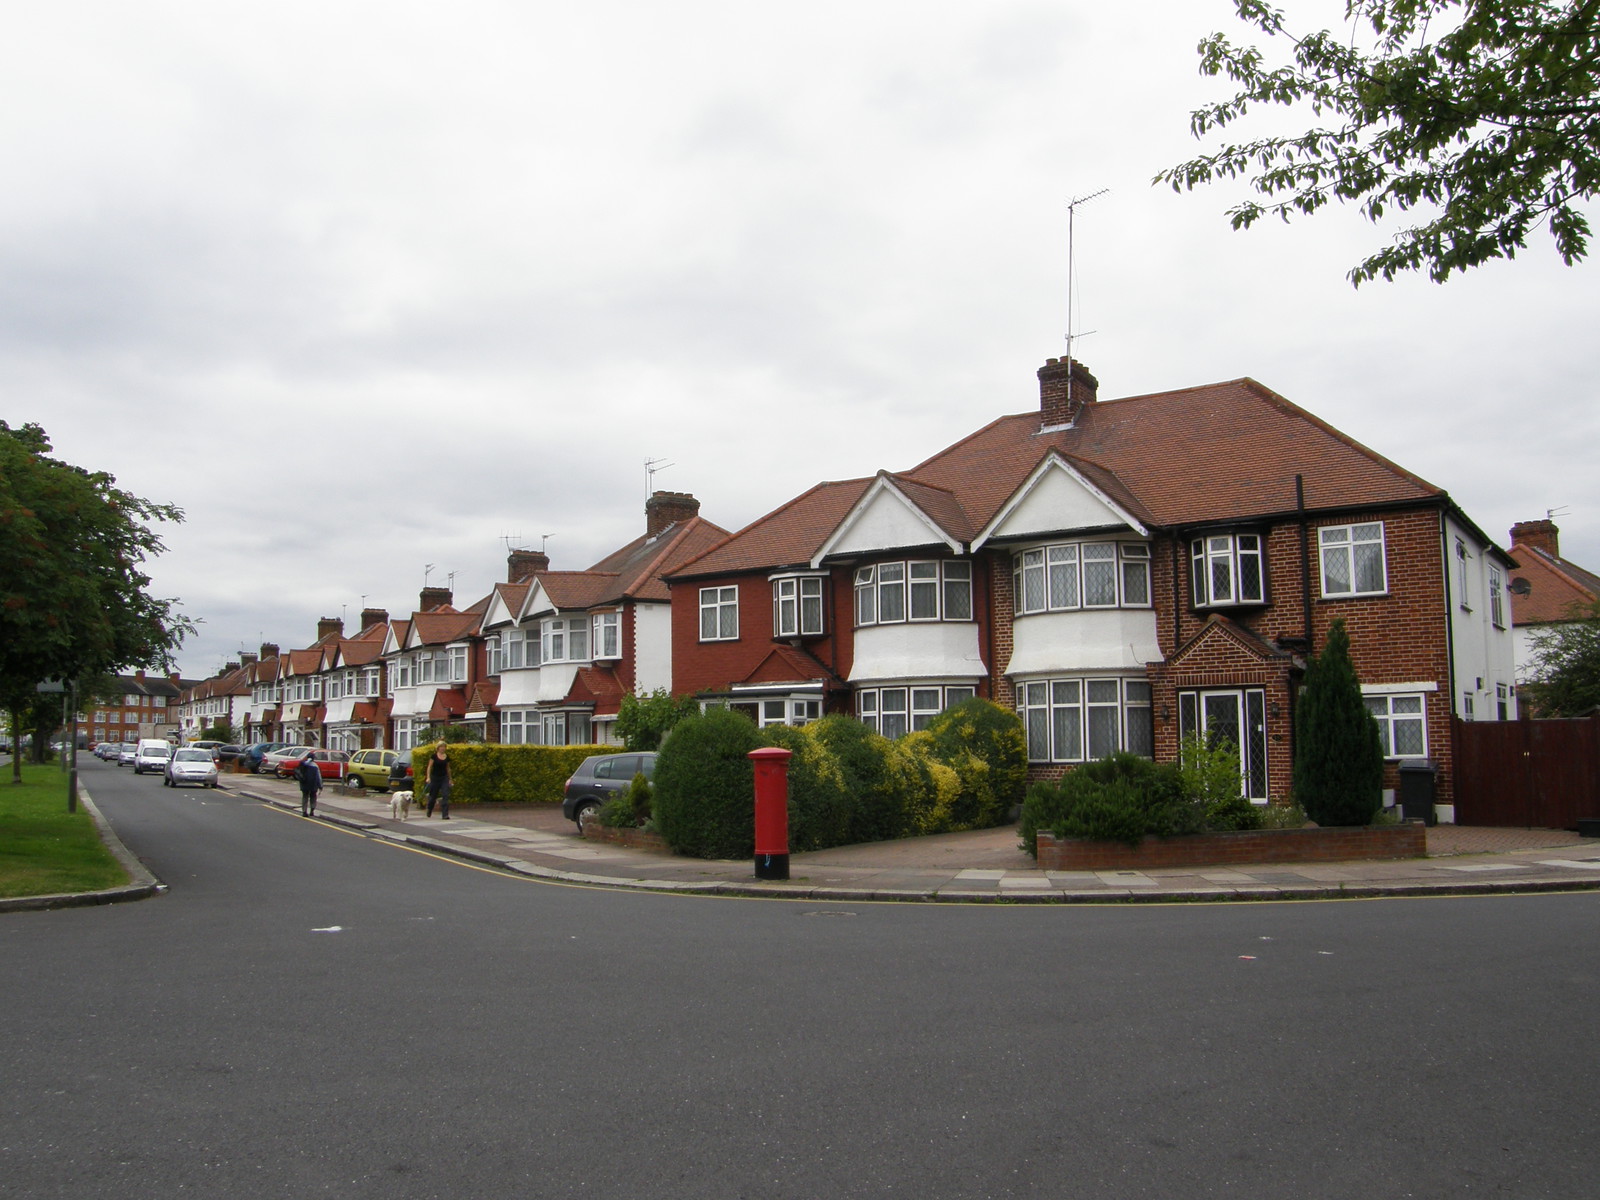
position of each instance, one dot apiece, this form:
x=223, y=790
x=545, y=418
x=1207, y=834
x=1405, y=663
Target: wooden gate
x=1532, y=774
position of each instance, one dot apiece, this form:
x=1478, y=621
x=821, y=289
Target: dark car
x=600, y=777
x=250, y=758
x=227, y=753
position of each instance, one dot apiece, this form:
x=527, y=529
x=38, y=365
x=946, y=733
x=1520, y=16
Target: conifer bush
x=1338, y=761
x=705, y=786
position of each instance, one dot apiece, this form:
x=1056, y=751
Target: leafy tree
x=1338, y=755
x=643, y=721
x=1483, y=114
x=1566, y=666
x=73, y=603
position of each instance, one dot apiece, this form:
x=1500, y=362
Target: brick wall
x=1248, y=846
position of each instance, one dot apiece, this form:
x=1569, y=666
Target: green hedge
x=846, y=783
x=485, y=773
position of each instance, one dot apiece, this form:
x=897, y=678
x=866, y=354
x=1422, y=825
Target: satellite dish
x=1520, y=586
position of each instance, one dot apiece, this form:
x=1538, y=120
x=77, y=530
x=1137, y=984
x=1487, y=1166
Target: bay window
x=929, y=590
x=1077, y=575
x=1079, y=720
x=797, y=606
x=608, y=635
x=1227, y=569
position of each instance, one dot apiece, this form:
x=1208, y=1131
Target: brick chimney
x=1541, y=535
x=523, y=565
x=228, y=668
x=1055, y=407
x=668, y=508
x=330, y=626
x=434, y=597
x=268, y=650
x=247, y=659
x=374, y=616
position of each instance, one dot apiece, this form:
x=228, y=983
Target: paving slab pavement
x=981, y=866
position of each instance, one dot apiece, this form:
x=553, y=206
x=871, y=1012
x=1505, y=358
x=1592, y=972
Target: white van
x=152, y=755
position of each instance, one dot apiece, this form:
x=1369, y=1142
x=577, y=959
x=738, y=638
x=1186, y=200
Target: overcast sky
x=364, y=287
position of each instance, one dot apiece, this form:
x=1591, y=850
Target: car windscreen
x=193, y=756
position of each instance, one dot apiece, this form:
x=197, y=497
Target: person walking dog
x=439, y=782
x=310, y=777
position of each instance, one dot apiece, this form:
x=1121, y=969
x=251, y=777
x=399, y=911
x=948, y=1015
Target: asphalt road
x=309, y=1012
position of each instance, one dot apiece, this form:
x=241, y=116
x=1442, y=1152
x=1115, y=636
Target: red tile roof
x=785, y=664
x=1557, y=587
x=1221, y=452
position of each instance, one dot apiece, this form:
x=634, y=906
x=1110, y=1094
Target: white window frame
x=1463, y=583
x=1340, y=543
x=606, y=636
x=910, y=710
x=458, y=664
x=913, y=591
x=1382, y=707
x=1497, y=604
x=1054, y=578
x=719, y=614
x=797, y=607
x=1058, y=716
x=1231, y=551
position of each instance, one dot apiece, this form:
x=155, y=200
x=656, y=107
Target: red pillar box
x=772, y=812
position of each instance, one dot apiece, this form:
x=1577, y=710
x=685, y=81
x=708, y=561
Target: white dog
x=400, y=806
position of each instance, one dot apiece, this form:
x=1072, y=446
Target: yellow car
x=371, y=767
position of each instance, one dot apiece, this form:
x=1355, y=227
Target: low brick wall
x=1409, y=840
x=639, y=839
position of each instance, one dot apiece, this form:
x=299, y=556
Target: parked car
x=331, y=763
x=255, y=752
x=151, y=754
x=204, y=745
x=600, y=777
x=227, y=753
x=191, y=765
x=273, y=759
x=371, y=768
x=106, y=751
x=125, y=753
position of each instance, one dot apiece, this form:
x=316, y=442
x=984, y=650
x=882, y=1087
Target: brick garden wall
x=1247, y=846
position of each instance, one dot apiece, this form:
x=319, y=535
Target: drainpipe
x=1305, y=556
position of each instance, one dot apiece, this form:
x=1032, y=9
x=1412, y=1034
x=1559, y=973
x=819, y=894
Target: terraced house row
x=1119, y=572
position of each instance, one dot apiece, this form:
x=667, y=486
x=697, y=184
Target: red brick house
x=564, y=647
x=1546, y=589
x=1120, y=573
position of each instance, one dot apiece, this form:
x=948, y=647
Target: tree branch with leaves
x=1480, y=117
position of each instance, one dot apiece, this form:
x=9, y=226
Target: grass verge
x=44, y=849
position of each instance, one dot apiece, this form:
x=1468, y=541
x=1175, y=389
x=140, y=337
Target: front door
x=1236, y=719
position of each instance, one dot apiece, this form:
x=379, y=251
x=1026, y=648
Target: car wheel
x=586, y=812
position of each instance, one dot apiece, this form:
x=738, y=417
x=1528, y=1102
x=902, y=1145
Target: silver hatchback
x=190, y=765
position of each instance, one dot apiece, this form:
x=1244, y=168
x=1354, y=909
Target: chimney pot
x=668, y=508
x=327, y=626
x=269, y=650
x=434, y=597
x=1541, y=535
x=523, y=565
x=374, y=616
x=1057, y=378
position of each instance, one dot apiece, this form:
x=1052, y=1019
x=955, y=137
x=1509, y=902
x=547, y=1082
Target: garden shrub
x=984, y=744
x=489, y=773
x=819, y=807
x=704, y=786
x=1338, y=760
x=1121, y=798
x=877, y=810
x=1210, y=774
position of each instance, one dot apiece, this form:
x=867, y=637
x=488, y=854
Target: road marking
x=1483, y=866
x=1583, y=864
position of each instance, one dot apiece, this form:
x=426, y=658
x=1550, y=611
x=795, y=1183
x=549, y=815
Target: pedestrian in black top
x=310, y=777
x=439, y=783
